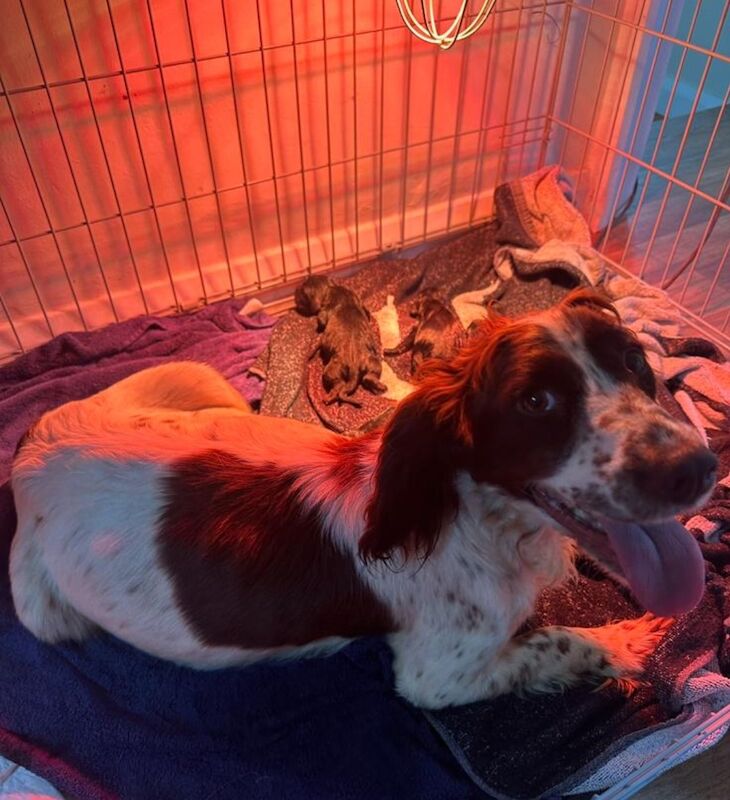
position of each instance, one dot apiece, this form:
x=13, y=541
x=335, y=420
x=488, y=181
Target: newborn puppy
x=348, y=345
x=433, y=336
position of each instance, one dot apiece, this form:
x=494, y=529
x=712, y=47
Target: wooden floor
x=706, y=777
x=665, y=224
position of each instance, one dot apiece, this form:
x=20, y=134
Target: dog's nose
x=693, y=476
x=679, y=481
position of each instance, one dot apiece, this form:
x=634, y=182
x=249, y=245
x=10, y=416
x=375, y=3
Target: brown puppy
x=348, y=345
x=433, y=336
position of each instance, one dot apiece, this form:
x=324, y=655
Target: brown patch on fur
x=657, y=435
x=473, y=617
x=615, y=349
x=446, y=387
x=250, y=565
x=626, y=408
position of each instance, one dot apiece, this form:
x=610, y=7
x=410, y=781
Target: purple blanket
x=52, y=374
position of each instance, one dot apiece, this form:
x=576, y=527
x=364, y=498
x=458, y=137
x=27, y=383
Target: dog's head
x=558, y=409
x=311, y=295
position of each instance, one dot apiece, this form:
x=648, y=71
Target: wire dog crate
x=156, y=155
x=160, y=154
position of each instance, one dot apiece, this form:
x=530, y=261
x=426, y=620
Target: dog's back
x=90, y=482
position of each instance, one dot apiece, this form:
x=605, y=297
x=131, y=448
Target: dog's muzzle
x=682, y=481
x=656, y=556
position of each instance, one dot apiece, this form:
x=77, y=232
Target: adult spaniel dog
x=163, y=511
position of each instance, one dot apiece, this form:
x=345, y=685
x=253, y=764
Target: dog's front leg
x=554, y=658
x=434, y=669
x=467, y=668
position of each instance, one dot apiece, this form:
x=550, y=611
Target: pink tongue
x=662, y=563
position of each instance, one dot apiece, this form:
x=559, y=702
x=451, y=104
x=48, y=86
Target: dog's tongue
x=662, y=563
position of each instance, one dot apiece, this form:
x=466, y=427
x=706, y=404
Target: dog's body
x=348, y=344
x=434, y=335
x=162, y=511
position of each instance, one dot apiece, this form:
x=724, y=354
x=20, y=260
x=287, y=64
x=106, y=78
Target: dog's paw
x=624, y=648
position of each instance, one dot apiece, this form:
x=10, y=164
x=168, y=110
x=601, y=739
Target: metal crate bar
x=193, y=231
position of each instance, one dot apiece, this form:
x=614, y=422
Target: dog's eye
x=538, y=401
x=634, y=360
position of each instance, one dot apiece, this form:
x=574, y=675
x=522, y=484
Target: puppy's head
x=311, y=295
x=558, y=410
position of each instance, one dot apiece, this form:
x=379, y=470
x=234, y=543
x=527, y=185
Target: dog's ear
x=590, y=298
x=414, y=491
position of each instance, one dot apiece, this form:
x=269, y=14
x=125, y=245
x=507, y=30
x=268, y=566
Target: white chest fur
x=461, y=608
x=491, y=563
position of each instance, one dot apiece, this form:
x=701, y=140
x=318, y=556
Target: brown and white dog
x=160, y=510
